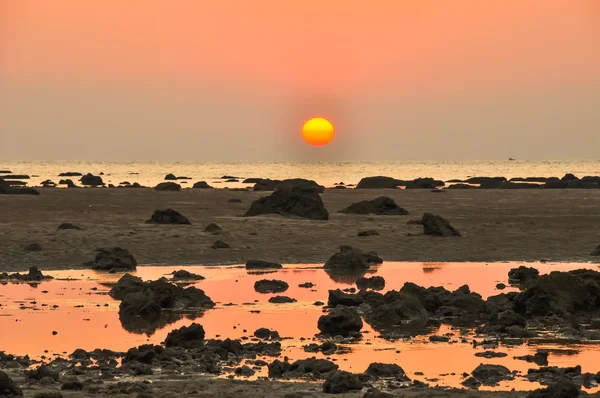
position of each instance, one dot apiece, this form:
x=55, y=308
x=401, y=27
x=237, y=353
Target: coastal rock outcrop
x=290, y=203
x=340, y=321
x=113, y=259
x=91, y=180
x=352, y=259
x=378, y=182
x=382, y=205
x=270, y=286
x=168, y=216
x=438, y=226
x=262, y=265
x=168, y=186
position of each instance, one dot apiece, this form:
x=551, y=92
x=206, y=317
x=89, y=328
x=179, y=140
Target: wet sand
x=497, y=225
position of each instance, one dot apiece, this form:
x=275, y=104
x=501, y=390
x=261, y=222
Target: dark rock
x=10, y=190
x=491, y=354
x=569, y=177
x=266, y=185
x=186, y=337
x=370, y=232
x=318, y=368
x=349, y=258
x=68, y=226
x=70, y=174
x=500, y=286
x=33, y=247
x=244, y=371
x=375, y=393
x=270, y=286
x=72, y=386
x=300, y=185
x=261, y=264
x=338, y=297
x=561, y=389
x=212, y=228
x=186, y=275
x=485, y=180
x=341, y=321
x=252, y=180
x=439, y=339
x=266, y=334
x=113, y=259
x=92, y=180
x=170, y=177
x=341, y=382
x=307, y=285
x=472, y=383
x=168, y=186
x=290, y=203
x=491, y=375
x=15, y=177
x=379, y=206
x=436, y=225
x=375, y=283
x=281, y=300
x=202, y=185
x=68, y=182
x=41, y=372
x=327, y=348
x=34, y=275
x=539, y=358
x=389, y=370
x=522, y=275
x=219, y=244
x=8, y=388
x=551, y=374
x=596, y=251
x=168, y=216
x=462, y=186
x=378, y=182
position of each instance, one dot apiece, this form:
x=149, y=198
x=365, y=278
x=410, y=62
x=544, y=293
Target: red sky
x=259, y=67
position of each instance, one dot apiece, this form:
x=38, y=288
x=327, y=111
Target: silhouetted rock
x=202, y=185
x=375, y=283
x=113, y=259
x=341, y=320
x=491, y=375
x=41, y=372
x=370, y=232
x=491, y=354
x=281, y=300
x=596, y=251
x=10, y=190
x=34, y=275
x=569, y=177
x=300, y=185
x=423, y=183
x=522, y=275
x=462, y=186
x=387, y=370
x=338, y=297
x=561, y=389
x=549, y=375
x=303, y=368
x=186, y=275
x=290, y=203
x=485, y=180
x=5, y=172
x=186, y=337
x=170, y=177
x=168, y=216
x=91, y=180
x=252, y=180
x=219, y=244
x=212, y=228
x=261, y=264
x=438, y=226
x=68, y=182
x=266, y=334
x=70, y=174
x=270, y=286
x=266, y=185
x=8, y=388
x=68, y=225
x=168, y=186
x=349, y=259
x=378, y=182
x=16, y=177
x=539, y=358
x=379, y=206
x=341, y=382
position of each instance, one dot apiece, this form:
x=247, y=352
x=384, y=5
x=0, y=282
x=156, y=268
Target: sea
x=325, y=173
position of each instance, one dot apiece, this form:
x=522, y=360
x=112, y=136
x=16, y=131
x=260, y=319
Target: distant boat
x=511, y=159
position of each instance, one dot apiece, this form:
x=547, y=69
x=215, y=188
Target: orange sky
x=350, y=60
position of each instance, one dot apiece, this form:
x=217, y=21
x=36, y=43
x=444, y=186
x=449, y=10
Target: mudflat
x=496, y=225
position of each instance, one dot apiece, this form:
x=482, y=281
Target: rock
x=569, y=177
x=170, y=177
x=341, y=320
x=491, y=354
x=168, y=186
x=300, y=185
x=388, y=370
x=270, y=286
x=327, y=348
x=34, y=275
x=462, y=186
x=219, y=244
x=491, y=375
x=33, y=247
x=41, y=372
x=70, y=174
x=168, y=216
x=378, y=182
x=10, y=190
x=15, y=177
x=471, y=382
x=375, y=393
x=596, y=251
x=375, y=283
x=486, y=180
x=500, y=286
x=202, y=185
x=244, y=371
x=266, y=185
x=8, y=387
x=186, y=337
x=522, y=275
x=351, y=259
x=113, y=259
x=439, y=339
x=48, y=394
x=252, y=180
x=266, y=334
x=212, y=228
x=551, y=374
x=68, y=225
x=379, y=206
x=290, y=203
x=186, y=275
x=281, y=300
x=307, y=285
x=261, y=264
x=338, y=297
x=317, y=368
x=540, y=358
x=561, y=389
x=370, y=232
x=341, y=382
x=438, y=226
x=72, y=386
x=92, y=180
x=68, y=182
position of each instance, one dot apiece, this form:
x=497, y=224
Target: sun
x=318, y=131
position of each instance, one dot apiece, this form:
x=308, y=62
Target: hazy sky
x=235, y=79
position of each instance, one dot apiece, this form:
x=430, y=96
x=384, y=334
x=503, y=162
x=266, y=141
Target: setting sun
x=318, y=131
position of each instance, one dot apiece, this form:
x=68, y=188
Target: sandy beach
x=496, y=225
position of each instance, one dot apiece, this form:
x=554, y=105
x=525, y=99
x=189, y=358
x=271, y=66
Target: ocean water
x=325, y=173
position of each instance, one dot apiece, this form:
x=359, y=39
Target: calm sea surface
x=326, y=173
